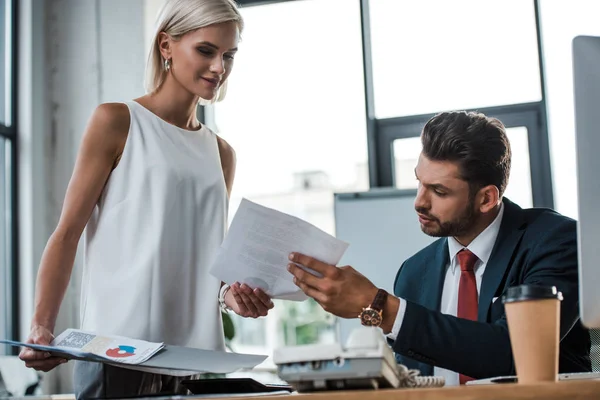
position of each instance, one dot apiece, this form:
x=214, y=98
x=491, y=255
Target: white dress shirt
x=482, y=247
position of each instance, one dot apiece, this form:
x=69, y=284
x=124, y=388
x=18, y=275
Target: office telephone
x=366, y=362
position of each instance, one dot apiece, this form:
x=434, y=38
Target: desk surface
x=572, y=390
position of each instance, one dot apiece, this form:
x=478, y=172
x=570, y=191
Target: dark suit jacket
x=534, y=246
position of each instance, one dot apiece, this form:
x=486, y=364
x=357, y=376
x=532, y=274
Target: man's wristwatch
x=373, y=314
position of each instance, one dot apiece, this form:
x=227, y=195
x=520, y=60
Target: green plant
x=228, y=326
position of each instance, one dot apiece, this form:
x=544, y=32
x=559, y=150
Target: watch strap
x=379, y=301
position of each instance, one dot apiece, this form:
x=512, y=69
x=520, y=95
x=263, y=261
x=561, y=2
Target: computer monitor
x=586, y=79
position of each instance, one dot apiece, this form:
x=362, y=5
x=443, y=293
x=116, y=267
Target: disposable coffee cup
x=533, y=315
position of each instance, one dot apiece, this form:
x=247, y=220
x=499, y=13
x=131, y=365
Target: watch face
x=370, y=317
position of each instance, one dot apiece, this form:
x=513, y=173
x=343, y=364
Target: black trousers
x=94, y=380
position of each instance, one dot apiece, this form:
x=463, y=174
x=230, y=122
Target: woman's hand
x=247, y=302
x=40, y=360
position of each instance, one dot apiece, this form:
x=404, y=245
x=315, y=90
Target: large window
x=7, y=173
x=320, y=84
x=561, y=21
x=295, y=114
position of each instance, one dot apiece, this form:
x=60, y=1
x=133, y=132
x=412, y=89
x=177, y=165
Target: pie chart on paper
x=121, y=352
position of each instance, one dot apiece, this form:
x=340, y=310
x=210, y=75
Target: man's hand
x=247, y=302
x=341, y=291
x=40, y=360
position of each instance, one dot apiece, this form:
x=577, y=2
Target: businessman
x=447, y=316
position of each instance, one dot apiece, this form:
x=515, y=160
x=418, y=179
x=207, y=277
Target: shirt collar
x=482, y=245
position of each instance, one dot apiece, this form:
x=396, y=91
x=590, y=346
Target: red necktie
x=467, y=292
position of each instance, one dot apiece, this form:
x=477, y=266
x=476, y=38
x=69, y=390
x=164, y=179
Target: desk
x=572, y=390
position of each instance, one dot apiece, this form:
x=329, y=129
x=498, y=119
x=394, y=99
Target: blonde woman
x=151, y=187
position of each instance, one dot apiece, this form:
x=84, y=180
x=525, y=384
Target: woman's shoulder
x=111, y=118
x=226, y=151
x=109, y=125
x=115, y=116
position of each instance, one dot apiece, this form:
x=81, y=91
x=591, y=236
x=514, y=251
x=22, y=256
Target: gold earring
x=167, y=65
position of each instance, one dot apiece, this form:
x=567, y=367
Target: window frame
x=9, y=133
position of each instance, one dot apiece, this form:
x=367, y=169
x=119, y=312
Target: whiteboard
x=383, y=230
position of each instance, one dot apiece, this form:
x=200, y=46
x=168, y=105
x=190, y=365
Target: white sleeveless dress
x=153, y=235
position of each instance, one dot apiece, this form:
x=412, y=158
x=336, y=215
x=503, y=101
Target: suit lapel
x=432, y=279
x=511, y=231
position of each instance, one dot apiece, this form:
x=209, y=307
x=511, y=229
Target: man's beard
x=456, y=227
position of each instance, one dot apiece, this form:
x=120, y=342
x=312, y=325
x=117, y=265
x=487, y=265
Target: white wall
x=74, y=55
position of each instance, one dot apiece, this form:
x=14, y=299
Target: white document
x=147, y=356
x=257, y=246
x=115, y=348
x=90, y=346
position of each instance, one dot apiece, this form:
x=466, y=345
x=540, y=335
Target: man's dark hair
x=478, y=143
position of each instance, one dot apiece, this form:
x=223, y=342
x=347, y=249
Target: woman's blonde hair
x=178, y=17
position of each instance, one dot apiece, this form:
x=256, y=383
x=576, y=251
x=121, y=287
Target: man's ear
x=164, y=45
x=488, y=197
